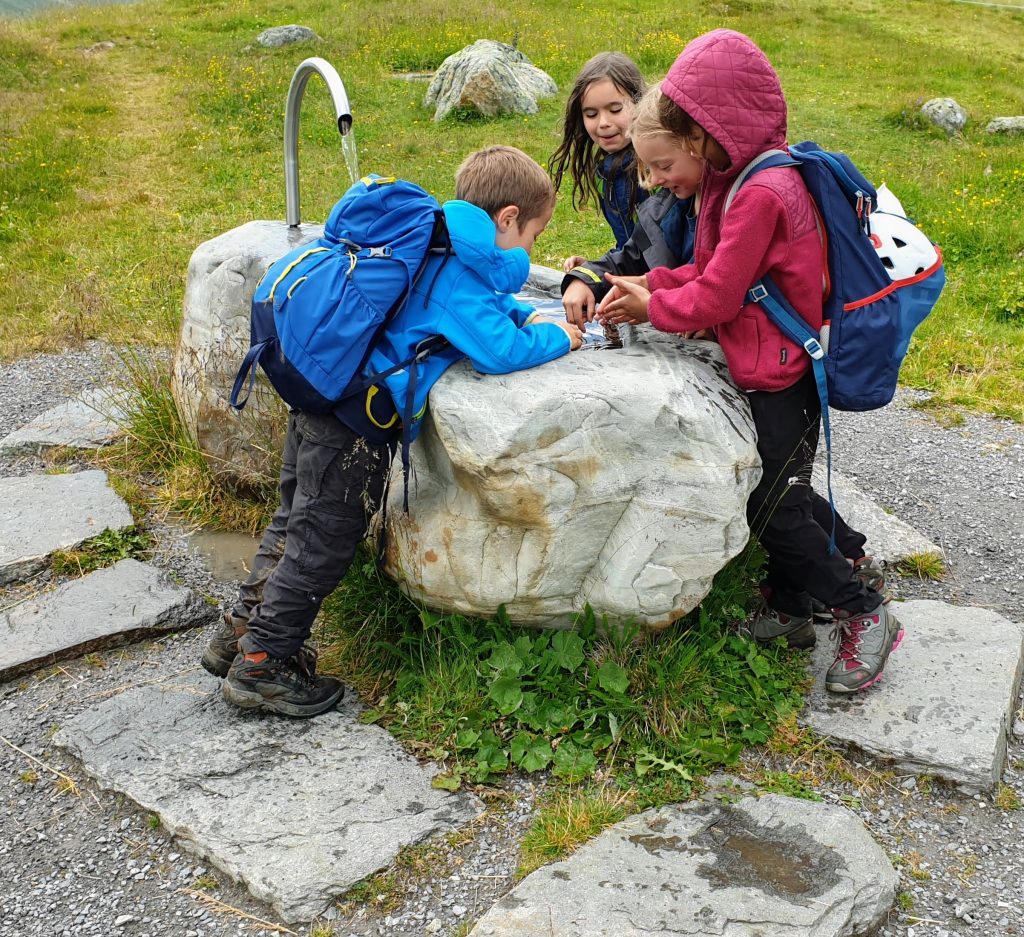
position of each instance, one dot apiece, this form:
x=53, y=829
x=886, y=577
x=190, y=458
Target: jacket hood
x=726, y=84
x=472, y=232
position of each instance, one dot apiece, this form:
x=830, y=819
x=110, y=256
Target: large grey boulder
x=617, y=478
x=243, y=448
x=490, y=77
x=1006, y=125
x=946, y=114
x=774, y=866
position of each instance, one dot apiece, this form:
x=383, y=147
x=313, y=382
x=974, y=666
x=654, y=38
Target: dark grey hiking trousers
x=332, y=482
x=792, y=521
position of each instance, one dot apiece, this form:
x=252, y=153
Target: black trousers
x=332, y=483
x=791, y=520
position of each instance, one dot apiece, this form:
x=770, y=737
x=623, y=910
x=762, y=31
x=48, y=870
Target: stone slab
x=109, y=607
x=776, y=865
x=89, y=421
x=944, y=706
x=43, y=513
x=297, y=810
x=889, y=539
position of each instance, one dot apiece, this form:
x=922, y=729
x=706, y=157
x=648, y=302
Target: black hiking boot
x=222, y=648
x=290, y=687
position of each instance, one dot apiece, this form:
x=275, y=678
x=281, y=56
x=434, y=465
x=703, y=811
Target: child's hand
x=571, y=262
x=573, y=331
x=626, y=303
x=579, y=302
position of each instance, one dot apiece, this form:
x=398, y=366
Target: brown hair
x=577, y=154
x=498, y=176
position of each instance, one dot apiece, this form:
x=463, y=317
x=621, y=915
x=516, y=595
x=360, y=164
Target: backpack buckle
x=813, y=347
x=378, y=252
x=757, y=292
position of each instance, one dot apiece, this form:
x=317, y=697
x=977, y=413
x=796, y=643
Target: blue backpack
x=317, y=311
x=871, y=306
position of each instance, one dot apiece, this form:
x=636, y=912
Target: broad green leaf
x=572, y=763
x=612, y=677
x=507, y=692
x=446, y=782
x=568, y=649
x=504, y=659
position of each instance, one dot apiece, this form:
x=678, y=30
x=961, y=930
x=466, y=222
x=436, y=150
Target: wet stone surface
x=774, y=865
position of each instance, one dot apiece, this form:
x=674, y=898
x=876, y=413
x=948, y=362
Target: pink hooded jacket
x=727, y=85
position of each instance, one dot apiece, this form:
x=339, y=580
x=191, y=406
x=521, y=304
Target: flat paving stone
x=297, y=810
x=944, y=706
x=759, y=867
x=89, y=421
x=125, y=602
x=43, y=513
x=889, y=539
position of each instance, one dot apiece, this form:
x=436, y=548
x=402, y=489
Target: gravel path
x=90, y=862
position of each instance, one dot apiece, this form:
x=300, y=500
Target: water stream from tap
x=348, y=151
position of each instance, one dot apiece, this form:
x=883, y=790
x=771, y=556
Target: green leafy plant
x=484, y=698
x=104, y=549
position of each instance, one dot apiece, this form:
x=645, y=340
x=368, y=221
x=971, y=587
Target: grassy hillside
x=116, y=162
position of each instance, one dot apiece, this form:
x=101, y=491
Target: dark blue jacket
x=663, y=237
x=614, y=181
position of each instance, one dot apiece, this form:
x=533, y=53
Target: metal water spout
x=291, y=126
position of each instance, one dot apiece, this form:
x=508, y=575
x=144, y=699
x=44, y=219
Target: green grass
x=115, y=165
x=483, y=697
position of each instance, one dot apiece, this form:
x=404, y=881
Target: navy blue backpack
x=882, y=278
x=318, y=310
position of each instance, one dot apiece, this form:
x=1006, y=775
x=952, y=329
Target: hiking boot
x=771, y=624
x=869, y=571
x=290, y=686
x=222, y=648
x=864, y=641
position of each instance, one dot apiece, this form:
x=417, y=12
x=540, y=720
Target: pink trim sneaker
x=864, y=641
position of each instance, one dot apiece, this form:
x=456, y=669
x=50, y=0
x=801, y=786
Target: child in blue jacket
x=334, y=466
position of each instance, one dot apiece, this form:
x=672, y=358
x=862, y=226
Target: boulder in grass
x=278, y=36
x=1006, y=125
x=614, y=478
x=491, y=78
x=946, y=114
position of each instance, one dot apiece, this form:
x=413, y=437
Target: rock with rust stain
x=617, y=478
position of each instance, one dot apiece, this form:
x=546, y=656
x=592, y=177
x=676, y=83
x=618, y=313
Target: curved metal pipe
x=291, y=124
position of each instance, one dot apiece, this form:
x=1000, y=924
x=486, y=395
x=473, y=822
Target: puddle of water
x=594, y=337
x=228, y=554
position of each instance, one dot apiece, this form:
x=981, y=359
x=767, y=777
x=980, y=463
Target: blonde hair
x=646, y=123
x=498, y=176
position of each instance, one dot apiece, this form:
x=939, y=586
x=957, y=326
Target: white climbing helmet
x=903, y=248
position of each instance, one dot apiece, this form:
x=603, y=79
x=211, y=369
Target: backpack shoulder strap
x=766, y=160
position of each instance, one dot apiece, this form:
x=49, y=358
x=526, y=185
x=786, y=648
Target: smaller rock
x=1018, y=728
x=1006, y=125
x=433, y=927
x=124, y=919
x=945, y=113
x=278, y=36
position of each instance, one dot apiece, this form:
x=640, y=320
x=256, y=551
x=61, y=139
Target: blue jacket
x=466, y=298
x=614, y=181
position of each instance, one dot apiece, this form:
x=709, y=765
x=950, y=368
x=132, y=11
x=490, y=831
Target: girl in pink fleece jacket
x=723, y=98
